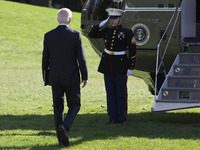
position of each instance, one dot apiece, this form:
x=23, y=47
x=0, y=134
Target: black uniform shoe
x=62, y=136
x=110, y=122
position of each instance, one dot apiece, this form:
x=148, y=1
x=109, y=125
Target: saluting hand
x=103, y=22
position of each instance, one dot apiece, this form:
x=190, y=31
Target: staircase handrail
x=158, y=66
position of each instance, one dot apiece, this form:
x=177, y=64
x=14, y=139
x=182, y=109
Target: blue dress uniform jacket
x=116, y=39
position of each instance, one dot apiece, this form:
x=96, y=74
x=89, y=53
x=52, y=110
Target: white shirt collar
x=62, y=24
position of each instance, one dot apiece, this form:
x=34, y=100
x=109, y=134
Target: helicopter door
x=188, y=19
x=198, y=11
x=198, y=20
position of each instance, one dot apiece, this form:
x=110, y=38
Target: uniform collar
x=117, y=27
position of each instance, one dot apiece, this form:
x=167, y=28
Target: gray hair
x=64, y=15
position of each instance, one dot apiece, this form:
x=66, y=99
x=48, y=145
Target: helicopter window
x=160, y=5
x=96, y=8
x=170, y=5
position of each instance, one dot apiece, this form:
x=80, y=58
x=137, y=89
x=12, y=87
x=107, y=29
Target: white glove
x=129, y=72
x=103, y=22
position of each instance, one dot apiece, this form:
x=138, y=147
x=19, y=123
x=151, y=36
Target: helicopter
x=163, y=29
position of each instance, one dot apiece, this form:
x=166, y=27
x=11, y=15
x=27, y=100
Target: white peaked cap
x=114, y=12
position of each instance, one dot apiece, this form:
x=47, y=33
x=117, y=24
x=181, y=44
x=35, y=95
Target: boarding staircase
x=181, y=88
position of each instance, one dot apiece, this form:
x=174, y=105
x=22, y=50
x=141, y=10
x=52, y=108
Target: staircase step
x=190, y=58
x=181, y=94
x=181, y=88
x=168, y=106
x=178, y=101
x=187, y=69
x=194, y=47
x=184, y=81
x=191, y=44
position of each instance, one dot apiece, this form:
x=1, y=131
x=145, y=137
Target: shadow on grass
x=89, y=127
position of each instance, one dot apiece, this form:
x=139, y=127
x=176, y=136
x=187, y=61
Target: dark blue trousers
x=73, y=103
x=116, y=90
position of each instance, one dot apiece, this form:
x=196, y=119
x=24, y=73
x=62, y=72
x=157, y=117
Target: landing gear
x=160, y=80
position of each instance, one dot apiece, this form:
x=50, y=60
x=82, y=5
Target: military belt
x=114, y=53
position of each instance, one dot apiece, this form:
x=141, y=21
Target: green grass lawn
x=26, y=113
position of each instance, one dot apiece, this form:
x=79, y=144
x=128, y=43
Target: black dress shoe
x=110, y=122
x=62, y=136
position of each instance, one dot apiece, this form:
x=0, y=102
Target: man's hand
x=129, y=72
x=84, y=83
x=103, y=22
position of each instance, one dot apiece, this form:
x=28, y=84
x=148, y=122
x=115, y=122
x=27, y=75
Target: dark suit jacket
x=63, y=53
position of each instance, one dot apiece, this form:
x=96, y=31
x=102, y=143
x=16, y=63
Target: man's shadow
x=89, y=127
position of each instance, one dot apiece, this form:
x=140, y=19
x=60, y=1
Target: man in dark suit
x=63, y=54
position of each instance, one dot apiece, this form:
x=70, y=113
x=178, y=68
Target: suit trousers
x=73, y=103
x=116, y=91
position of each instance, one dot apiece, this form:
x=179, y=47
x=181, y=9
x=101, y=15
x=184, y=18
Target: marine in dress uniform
x=115, y=63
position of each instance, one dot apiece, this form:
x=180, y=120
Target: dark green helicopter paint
x=148, y=19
